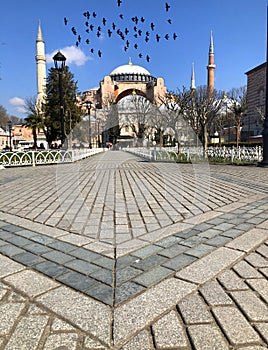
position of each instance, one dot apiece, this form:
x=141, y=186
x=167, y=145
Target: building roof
x=261, y=66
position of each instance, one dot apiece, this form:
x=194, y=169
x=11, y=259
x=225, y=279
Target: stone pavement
x=117, y=253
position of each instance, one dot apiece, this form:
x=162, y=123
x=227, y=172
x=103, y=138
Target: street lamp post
x=264, y=162
x=88, y=105
x=10, y=134
x=59, y=61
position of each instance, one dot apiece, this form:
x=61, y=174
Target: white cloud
x=73, y=55
x=18, y=103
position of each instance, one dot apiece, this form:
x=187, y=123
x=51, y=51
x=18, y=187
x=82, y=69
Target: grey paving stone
x=11, y=250
x=11, y=228
x=200, y=250
x=18, y=240
x=218, y=241
x=231, y=281
x=149, y=262
x=263, y=250
x=188, y=233
x=206, y=336
x=147, y=251
x=26, y=233
x=153, y=276
x=125, y=261
x=169, y=332
x=101, y=292
x=42, y=239
x=2, y=243
x=192, y=241
x=179, y=262
x=37, y=248
x=82, y=266
x=51, y=269
x=194, y=310
x=28, y=259
x=105, y=262
x=27, y=333
x=173, y=250
x=215, y=295
x=58, y=257
x=236, y=327
x=249, y=240
x=126, y=274
x=85, y=254
x=103, y=275
x=126, y=290
x=167, y=242
x=263, y=329
x=62, y=246
x=76, y=280
x=210, y=233
x=8, y=266
x=232, y=233
x=255, y=309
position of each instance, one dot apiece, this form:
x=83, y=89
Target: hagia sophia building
x=123, y=81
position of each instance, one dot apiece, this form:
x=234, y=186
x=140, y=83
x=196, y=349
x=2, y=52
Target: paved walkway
x=117, y=253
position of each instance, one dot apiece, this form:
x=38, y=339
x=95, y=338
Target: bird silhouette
x=86, y=14
x=109, y=33
x=87, y=41
x=135, y=35
x=140, y=55
x=126, y=31
x=166, y=37
x=74, y=30
x=87, y=30
x=79, y=38
x=167, y=6
x=121, y=16
x=127, y=43
x=77, y=43
x=135, y=46
x=86, y=24
x=175, y=36
x=147, y=58
x=119, y=2
x=92, y=50
x=169, y=21
x=94, y=14
x=99, y=53
x=157, y=38
x=147, y=33
x=142, y=19
x=99, y=28
x=113, y=26
x=135, y=29
x=98, y=34
x=91, y=27
x=139, y=32
x=65, y=20
x=125, y=48
x=152, y=26
x=104, y=21
x=147, y=39
x=135, y=19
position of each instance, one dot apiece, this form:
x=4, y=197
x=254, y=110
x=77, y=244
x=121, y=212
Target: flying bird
x=135, y=19
x=169, y=21
x=87, y=30
x=125, y=48
x=86, y=24
x=127, y=43
x=147, y=58
x=135, y=36
x=109, y=33
x=139, y=32
x=77, y=43
x=99, y=28
x=135, y=29
x=98, y=34
x=140, y=55
x=104, y=20
x=167, y=6
x=142, y=19
x=166, y=36
x=147, y=39
x=74, y=30
x=113, y=26
x=126, y=31
x=91, y=27
x=86, y=14
x=157, y=38
x=121, y=16
x=135, y=46
x=119, y=2
x=65, y=20
x=175, y=36
x=94, y=14
x=87, y=41
x=152, y=26
x=92, y=50
x=99, y=53
x=79, y=38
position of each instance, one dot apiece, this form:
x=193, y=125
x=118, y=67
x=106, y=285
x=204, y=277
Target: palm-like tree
x=33, y=121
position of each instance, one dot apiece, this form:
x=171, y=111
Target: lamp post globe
x=59, y=62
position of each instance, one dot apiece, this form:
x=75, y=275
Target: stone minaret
x=193, y=87
x=211, y=68
x=40, y=67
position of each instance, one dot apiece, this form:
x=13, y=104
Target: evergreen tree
x=72, y=111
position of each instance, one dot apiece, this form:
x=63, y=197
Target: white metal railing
x=251, y=154
x=42, y=157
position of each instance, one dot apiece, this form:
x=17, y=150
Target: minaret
x=40, y=66
x=211, y=68
x=193, y=87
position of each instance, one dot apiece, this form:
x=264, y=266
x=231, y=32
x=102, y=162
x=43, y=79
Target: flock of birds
x=131, y=36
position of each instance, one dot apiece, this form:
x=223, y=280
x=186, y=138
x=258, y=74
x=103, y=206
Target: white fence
x=253, y=154
x=33, y=158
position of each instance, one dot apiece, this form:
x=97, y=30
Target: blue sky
x=239, y=31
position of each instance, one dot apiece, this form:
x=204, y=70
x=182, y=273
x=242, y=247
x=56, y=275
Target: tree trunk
x=205, y=140
x=238, y=132
x=34, y=138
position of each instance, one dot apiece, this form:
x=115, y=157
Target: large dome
x=131, y=73
x=130, y=69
